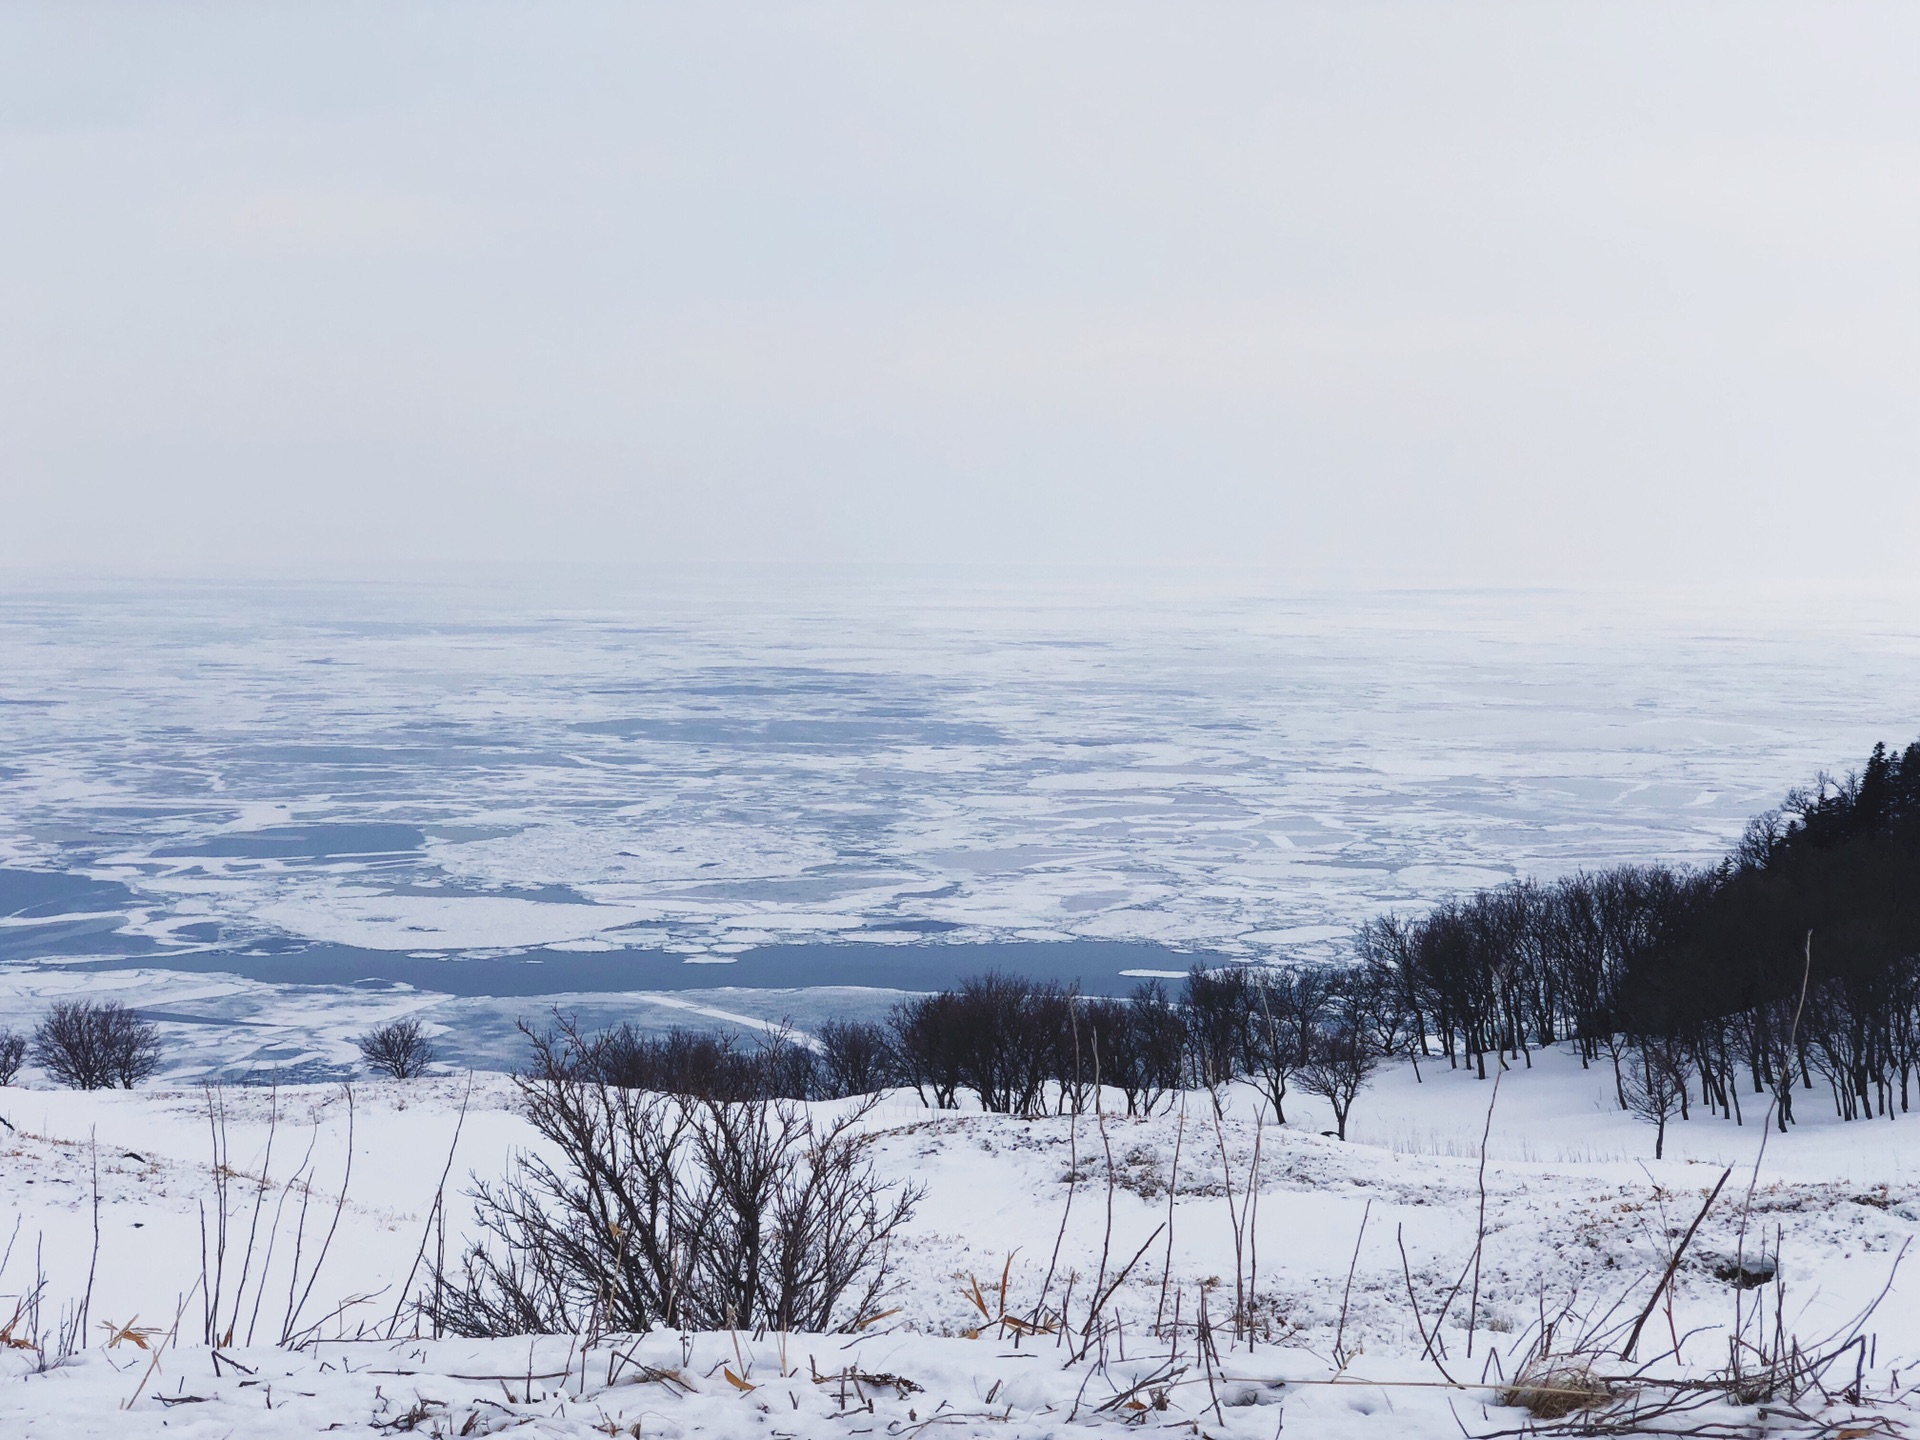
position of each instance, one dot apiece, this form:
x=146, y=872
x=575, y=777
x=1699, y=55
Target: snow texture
x=1575, y=1211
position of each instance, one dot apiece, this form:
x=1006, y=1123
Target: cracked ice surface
x=702, y=766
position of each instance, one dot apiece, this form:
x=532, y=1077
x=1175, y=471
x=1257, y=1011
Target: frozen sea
x=269, y=811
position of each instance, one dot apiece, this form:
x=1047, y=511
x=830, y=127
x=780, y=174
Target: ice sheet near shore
x=1574, y=1203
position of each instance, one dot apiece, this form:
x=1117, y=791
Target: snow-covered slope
x=1575, y=1213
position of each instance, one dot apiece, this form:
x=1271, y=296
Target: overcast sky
x=1352, y=293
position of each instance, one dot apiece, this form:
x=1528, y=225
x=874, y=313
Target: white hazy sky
x=1350, y=293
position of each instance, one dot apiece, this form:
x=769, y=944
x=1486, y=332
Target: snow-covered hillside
x=1577, y=1217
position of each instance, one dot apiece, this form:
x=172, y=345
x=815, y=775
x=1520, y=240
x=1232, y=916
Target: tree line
x=1790, y=967
x=1027, y=1047
x=1792, y=964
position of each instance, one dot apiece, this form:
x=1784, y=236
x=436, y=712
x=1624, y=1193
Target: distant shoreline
x=1099, y=966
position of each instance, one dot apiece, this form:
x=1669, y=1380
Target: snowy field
x=655, y=785
x=1578, y=1217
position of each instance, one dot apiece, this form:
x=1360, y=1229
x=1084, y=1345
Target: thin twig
x=1106, y=1145
x=1633, y=1339
x=1233, y=1213
x=1073, y=1179
x=253, y=1225
x=439, y=1209
x=93, y=1262
x=1340, y=1335
x=1418, y=1324
x=1102, y=1297
x=1480, y=1238
x=340, y=1204
x=1173, y=1186
x=160, y=1349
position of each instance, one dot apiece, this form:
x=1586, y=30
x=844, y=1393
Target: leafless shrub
x=711, y=1064
x=93, y=1045
x=1024, y=1046
x=1007, y=1038
x=399, y=1048
x=13, y=1054
x=688, y=1211
x=856, y=1058
x=789, y=1070
x=1148, y=1068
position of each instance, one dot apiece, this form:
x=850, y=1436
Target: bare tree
x=1655, y=1087
x=1339, y=1064
x=925, y=1040
x=13, y=1054
x=684, y=1211
x=1158, y=1039
x=1140, y=1043
x=1218, y=1011
x=95, y=1045
x=1286, y=1010
x=399, y=1048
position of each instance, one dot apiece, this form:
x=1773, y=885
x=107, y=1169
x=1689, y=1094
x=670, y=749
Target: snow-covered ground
x=1576, y=1213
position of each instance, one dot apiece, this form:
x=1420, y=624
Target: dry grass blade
x=131, y=1333
x=8, y=1338
x=673, y=1380
x=976, y=1296
x=1154, y=1386
x=880, y=1379
x=158, y=1350
x=1553, y=1389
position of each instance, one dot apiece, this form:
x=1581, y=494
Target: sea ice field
x=271, y=813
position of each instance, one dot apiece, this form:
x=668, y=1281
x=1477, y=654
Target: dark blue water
x=304, y=842
x=1096, y=966
x=44, y=894
x=81, y=916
